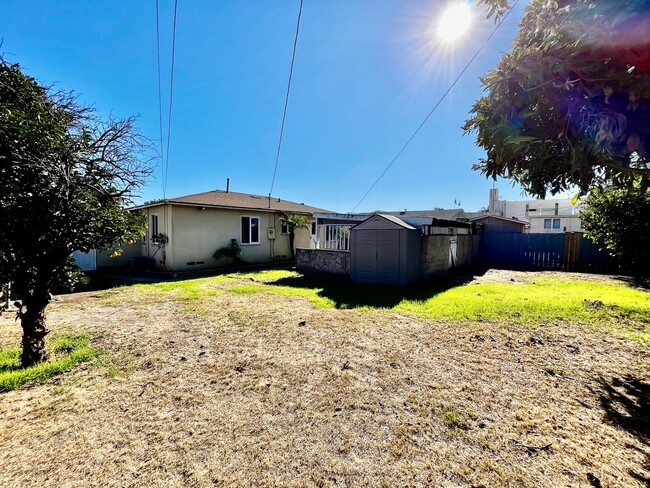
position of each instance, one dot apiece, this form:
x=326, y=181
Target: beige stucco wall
x=105, y=260
x=195, y=235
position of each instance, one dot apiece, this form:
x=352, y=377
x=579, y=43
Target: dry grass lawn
x=221, y=384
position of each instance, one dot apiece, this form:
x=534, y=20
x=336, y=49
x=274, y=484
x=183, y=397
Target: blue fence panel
x=542, y=251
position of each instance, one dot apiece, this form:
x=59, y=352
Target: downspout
x=272, y=241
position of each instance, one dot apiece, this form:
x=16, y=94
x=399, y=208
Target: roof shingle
x=223, y=199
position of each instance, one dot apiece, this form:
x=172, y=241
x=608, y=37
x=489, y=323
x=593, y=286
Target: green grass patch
x=66, y=353
x=555, y=371
x=454, y=420
x=538, y=300
x=606, y=304
x=246, y=289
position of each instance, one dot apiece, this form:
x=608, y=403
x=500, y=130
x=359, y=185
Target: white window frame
x=250, y=228
x=157, y=226
x=284, y=225
x=551, y=222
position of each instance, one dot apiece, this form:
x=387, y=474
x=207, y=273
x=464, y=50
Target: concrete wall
x=434, y=256
x=194, y=236
x=323, y=261
x=435, y=252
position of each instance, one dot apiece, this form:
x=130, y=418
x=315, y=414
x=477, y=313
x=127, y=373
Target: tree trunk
x=292, y=237
x=32, y=320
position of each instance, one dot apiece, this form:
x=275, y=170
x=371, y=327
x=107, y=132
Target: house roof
x=230, y=199
x=506, y=219
x=440, y=213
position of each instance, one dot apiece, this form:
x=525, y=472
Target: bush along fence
x=568, y=251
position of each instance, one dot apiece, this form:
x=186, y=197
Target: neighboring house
x=333, y=229
x=544, y=216
x=436, y=213
x=184, y=233
x=493, y=224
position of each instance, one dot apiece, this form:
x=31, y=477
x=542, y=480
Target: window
x=551, y=223
x=250, y=230
x=285, y=228
x=313, y=228
x=154, y=227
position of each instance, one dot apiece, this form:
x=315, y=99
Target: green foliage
x=295, y=221
x=618, y=219
x=65, y=178
x=569, y=105
x=68, y=352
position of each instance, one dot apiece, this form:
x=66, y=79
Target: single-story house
x=184, y=233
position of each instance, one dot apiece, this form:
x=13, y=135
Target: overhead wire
x=160, y=113
x=399, y=153
x=286, y=99
x=171, y=93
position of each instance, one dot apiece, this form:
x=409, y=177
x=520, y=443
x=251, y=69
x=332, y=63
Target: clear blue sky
x=366, y=74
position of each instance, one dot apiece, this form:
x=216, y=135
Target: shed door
x=377, y=256
x=366, y=256
x=388, y=256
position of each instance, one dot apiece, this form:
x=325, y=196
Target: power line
x=160, y=98
x=171, y=94
x=286, y=100
x=437, y=104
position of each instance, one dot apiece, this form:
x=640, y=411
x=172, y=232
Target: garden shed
x=385, y=249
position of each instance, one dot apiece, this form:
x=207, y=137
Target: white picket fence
x=333, y=236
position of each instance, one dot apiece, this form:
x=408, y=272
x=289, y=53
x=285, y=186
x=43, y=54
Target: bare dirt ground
x=237, y=389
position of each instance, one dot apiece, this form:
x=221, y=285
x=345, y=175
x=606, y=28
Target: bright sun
x=455, y=22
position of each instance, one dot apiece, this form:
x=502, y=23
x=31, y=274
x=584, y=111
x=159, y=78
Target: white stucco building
x=544, y=215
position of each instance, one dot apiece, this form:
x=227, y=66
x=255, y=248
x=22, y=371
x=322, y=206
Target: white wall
x=536, y=210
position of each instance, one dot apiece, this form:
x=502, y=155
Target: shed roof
x=230, y=199
x=391, y=218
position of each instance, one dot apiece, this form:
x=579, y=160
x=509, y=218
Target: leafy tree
x=618, y=219
x=569, y=105
x=65, y=176
x=295, y=221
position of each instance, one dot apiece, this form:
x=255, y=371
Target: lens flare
x=454, y=22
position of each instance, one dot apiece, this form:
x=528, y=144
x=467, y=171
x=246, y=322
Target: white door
x=87, y=261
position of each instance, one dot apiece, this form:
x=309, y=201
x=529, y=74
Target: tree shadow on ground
x=348, y=294
x=626, y=402
x=642, y=282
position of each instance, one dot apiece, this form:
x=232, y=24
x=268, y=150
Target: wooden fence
x=569, y=251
